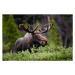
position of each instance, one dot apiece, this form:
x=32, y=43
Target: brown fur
x=29, y=40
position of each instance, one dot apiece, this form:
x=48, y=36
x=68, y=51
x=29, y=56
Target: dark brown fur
x=29, y=40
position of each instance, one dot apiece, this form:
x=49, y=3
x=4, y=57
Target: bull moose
x=32, y=37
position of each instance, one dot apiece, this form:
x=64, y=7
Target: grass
x=48, y=53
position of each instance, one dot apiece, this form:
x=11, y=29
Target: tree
x=54, y=36
x=10, y=33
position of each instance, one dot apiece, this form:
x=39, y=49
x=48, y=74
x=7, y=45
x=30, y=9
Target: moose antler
x=22, y=27
x=45, y=28
x=30, y=29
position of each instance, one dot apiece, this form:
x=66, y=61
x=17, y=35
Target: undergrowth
x=48, y=53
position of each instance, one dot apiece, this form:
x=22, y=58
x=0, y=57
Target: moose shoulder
x=32, y=37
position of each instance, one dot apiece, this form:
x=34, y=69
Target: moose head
x=32, y=37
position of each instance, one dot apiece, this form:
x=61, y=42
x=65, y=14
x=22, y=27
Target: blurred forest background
x=61, y=33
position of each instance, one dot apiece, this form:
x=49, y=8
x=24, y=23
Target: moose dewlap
x=32, y=37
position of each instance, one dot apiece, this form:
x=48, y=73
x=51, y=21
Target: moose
x=32, y=37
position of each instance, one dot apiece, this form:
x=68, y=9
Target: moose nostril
x=52, y=24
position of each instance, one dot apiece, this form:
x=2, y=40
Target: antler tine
x=45, y=28
x=35, y=28
x=22, y=27
x=40, y=32
x=45, y=31
x=32, y=30
x=49, y=26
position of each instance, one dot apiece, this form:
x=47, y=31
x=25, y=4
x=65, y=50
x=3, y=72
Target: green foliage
x=54, y=36
x=10, y=32
x=38, y=23
x=6, y=47
x=48, y=53
x=26, y=25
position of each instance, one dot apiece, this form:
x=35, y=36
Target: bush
x=48, y=53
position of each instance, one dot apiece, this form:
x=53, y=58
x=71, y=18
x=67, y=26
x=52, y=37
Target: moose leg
x=15, y=51
x=36, y=47
x=29, y=50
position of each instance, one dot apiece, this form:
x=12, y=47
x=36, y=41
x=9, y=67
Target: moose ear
x=45, y=28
